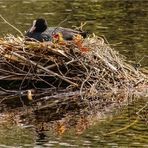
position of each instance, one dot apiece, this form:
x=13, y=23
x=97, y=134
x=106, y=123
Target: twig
x=121, y=129
x=11, y=25
x=60, y=23
x=43, y=68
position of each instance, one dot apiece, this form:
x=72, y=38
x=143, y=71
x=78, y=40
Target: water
x=97, y=135
x=124, y=25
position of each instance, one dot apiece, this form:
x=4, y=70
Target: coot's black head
x=40, y=25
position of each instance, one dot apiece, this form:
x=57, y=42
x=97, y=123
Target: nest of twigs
x=81, y=67
x=93, y=65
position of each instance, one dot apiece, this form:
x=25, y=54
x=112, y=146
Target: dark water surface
x=124, y=23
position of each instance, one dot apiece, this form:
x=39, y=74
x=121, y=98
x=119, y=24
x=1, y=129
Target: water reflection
x=42, y=138
x=116, y=128
x=134, y=136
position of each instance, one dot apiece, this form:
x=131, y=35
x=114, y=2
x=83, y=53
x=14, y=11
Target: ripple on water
x=67, y=144
x=3, y=6
x=29, y=1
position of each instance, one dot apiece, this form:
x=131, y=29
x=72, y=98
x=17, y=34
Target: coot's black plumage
x=37, y=30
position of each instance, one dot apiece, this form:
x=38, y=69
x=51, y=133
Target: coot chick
x=67, y=33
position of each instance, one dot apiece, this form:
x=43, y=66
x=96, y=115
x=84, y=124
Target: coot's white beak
x=33, y=26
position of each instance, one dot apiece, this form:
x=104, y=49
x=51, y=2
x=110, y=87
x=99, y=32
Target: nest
x=81, y=68
x=88, y=65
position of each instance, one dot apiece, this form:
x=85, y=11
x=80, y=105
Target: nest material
x=91, y=66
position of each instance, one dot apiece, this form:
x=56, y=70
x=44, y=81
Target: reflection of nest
x=62, y=75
